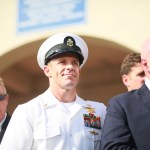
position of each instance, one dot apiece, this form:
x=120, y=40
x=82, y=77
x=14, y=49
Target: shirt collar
x=50, y=100
x=147, y=82
x=1, y=123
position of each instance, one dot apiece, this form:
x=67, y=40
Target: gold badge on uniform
x=90, y=120
x=94, y=132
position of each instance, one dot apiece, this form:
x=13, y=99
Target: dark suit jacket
x=4, y=126
x=127, y=123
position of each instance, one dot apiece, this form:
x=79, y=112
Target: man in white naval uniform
x=58, y=119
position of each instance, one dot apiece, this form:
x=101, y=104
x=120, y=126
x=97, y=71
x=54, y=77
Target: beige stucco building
x=112, y=29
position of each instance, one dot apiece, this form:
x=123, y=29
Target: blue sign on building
x=42, y=14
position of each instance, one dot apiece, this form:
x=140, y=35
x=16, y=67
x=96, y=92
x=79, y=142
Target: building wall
x=112, y=29
x=124, y=22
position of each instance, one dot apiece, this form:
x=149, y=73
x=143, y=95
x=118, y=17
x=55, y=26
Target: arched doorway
x=100, y=78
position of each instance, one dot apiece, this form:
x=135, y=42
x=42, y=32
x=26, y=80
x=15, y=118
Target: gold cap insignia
x=69, y=42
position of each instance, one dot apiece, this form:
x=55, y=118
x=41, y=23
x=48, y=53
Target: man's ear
x=143, y=62
x=47, y=71
x=125, y=80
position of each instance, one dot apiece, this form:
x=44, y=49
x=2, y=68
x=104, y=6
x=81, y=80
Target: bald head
x=145, y=49
x=145, y=57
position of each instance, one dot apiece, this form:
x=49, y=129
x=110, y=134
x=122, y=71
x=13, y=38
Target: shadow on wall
x=100, y=77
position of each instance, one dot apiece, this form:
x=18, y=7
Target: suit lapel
x=4, y=126
x=144, y=94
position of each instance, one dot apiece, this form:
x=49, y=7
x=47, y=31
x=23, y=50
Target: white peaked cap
x=61, y=43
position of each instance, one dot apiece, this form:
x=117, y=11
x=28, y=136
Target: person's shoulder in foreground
x=127, y=122
x=58, y=118
x=124, y=120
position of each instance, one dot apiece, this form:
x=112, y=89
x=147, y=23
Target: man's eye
x=142, y=74
x=76, y=63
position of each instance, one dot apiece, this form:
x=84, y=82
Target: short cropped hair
x=128, y=62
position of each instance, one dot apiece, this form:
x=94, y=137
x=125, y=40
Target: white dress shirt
x=147, y=82
x=44, y=123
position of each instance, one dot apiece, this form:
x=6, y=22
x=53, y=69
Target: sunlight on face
x=64, y=72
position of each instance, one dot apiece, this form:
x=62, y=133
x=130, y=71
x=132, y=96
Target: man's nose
x=70, y=65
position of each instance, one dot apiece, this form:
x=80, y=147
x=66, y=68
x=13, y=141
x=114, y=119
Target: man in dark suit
x=127, y=123
x=4, y=116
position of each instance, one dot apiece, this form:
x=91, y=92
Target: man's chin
x=70, y=86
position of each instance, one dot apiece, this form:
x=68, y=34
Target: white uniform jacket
x=44, y=123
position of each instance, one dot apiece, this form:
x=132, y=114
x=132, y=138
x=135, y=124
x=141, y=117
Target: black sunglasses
x=2, y=96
